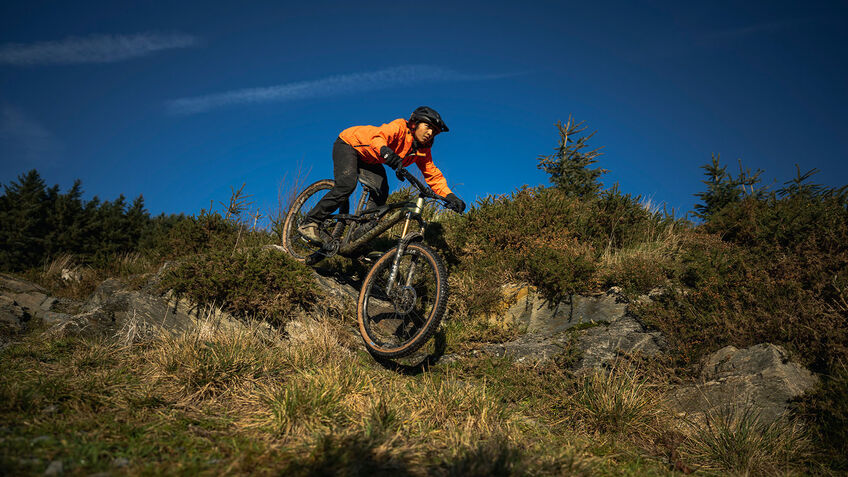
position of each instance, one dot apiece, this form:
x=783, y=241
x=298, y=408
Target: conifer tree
x=568, y=166
x=724, y=189
x=66, y=221
x=23, y=215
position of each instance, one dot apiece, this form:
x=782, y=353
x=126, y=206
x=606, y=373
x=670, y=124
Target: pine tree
x=724, y=189
x=568, y=166
x=23, y=216
x=66, y=220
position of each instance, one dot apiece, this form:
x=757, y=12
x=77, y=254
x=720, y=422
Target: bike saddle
x=370, y=182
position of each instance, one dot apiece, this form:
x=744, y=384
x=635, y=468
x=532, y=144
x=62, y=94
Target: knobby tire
x=429, y=319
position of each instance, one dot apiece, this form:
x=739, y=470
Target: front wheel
x=396, y=321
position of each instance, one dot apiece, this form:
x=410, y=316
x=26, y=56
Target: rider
x=361, y=151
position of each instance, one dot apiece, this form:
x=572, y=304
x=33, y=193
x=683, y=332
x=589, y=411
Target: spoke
x=420, y=319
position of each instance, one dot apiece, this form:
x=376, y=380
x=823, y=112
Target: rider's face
x=424, y=133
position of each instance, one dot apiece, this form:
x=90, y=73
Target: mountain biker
x=361, y=151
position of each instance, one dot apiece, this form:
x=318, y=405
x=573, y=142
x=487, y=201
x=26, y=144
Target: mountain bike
x=405, y=292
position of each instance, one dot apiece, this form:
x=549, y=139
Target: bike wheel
x=296, y=245
x=395, y=324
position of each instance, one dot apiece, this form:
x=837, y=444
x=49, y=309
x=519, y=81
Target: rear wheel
x=293, y=242
x=396, y=322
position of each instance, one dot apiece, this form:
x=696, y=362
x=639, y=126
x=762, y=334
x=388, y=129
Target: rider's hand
x=455, y=203
x=390, y=158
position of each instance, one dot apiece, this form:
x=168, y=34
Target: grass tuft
x=737, y=441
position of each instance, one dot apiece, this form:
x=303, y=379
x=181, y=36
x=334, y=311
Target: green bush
x=253, y=283
x=827, y=408
x=637, y=274
x=546, y=237
x=559, y=273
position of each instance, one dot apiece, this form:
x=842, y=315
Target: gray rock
x=49, y=303
x=596, y=346
x=52, y=317
x=41, y=439
x=16, y=285
x=537, y=315
x=20, y=301
x=120, y=462
x=55, y=468
x=339, y=291
x=136, y=313
x=759, y=377
x=602, y=344
x=12, y=316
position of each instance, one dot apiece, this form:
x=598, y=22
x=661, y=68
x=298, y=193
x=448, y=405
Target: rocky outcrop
x=21, y=301
x=594, y=329
x=626, y=335
x=591, y=347
x=759, y=377
x=525, y=307
x=114, y=308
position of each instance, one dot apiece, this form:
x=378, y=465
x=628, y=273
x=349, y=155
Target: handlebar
x=423, y=189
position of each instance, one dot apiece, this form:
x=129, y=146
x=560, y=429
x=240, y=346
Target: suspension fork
x=402, y=243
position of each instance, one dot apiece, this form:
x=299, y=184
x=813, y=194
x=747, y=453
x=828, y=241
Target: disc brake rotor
x=404, y=300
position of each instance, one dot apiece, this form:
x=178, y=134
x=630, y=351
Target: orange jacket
x=367, y=140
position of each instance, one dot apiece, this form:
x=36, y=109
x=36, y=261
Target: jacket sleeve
x=432, y=175
x=385, y=134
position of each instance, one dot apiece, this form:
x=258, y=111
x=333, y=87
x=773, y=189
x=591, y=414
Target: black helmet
x=423, y=114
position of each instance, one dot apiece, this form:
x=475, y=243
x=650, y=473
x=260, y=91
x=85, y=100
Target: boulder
x=594, y=347
x=523, y=306
x=759, y=377
x=20, y=301
x=600, y=345
x=115, y=308
x=12, y=315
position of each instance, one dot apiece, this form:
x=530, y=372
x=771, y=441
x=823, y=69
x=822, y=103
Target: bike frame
x=407, y=211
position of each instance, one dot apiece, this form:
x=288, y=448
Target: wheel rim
x=393, y=320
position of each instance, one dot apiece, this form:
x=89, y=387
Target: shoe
x=310, y=231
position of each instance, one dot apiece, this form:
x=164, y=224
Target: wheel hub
x=404, y=300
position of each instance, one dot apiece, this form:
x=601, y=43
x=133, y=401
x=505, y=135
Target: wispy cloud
x=92, y=49
x=330, y=86
x=25, y=139
x=756, y=29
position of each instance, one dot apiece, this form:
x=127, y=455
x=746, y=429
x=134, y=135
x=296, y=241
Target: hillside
x=586, y=334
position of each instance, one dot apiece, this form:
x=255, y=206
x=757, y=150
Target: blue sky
x=180, y=101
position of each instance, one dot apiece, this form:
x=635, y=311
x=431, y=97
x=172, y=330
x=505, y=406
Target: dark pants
x=347, y=169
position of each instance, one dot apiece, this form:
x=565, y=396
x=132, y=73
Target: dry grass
x=660, y=244
x=306, y=402
x=618, y=401
x=737, y=441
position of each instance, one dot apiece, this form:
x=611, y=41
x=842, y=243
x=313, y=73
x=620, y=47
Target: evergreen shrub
x=254, y=283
